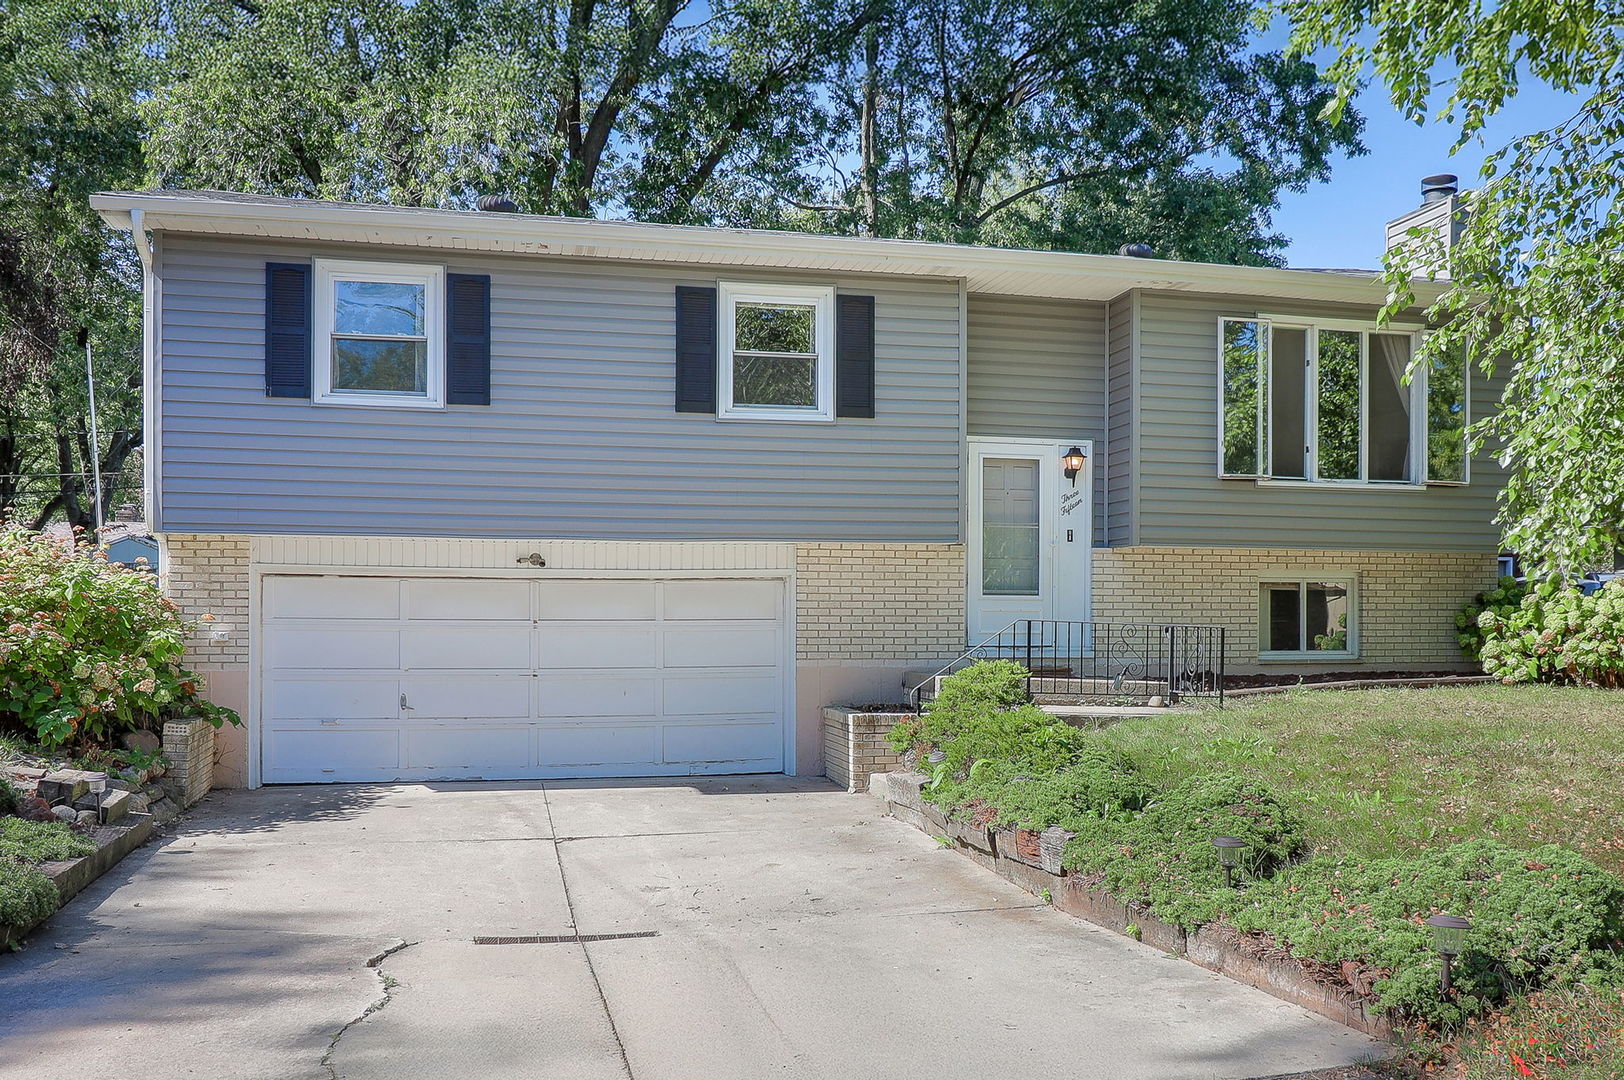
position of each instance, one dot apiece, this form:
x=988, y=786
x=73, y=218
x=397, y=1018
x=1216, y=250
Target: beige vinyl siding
x=1037, y=371
x=1120, y=517
x=1181, y=502
x=581, y=439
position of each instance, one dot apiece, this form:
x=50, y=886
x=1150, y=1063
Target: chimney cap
x=1137, y=251
x=1438, y=187
x=497, y=204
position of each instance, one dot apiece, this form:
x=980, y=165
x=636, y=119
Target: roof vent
x=497, y=204
x=1137, y=251
x=1438, y=188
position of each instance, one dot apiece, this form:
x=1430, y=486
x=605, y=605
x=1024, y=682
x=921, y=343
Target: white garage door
x=380, y=678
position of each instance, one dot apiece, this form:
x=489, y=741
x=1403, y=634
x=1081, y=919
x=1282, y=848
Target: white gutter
x=988, y=268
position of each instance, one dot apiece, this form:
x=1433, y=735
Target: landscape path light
x=1449, y=938
x=1229, y=854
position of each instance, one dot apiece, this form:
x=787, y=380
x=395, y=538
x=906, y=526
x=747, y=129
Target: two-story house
x=475, y=494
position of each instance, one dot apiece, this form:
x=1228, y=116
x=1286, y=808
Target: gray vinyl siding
x=1120, y=517
x=1037, y=371
x=581, y=439
x=1181, y=501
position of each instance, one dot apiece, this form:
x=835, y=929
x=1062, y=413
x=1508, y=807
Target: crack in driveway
x=386, y=984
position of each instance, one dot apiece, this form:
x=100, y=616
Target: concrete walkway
x=791, y=931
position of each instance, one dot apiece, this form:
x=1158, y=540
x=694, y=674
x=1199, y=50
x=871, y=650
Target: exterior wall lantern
x=1229, y=855
x=1449, y=938
x=1073, y=460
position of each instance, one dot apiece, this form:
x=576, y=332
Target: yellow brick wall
x=879, y=602
x=1407, y=600
x=207, y=576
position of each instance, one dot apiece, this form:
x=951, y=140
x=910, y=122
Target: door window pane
x=1287, y=396
x=1246, y=363
x=1446, y=419
x=1338, y=426
x=1009, y=557
x=1389, y=407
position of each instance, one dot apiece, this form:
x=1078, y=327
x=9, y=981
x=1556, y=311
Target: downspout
x=149, y=354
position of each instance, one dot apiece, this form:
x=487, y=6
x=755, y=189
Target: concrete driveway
x=772, y=928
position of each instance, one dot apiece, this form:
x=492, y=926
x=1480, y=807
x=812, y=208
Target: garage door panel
x=500, y=697
x=332, y=698
x=699, y=646
x=597, y=696
x=467, y=598
x=335, y=754
x=468, y=749
x=754, y=743
x=311, y=647
x=332, y=598
x=722, y=695
x=465, y=648
x=579, y=601
x=570, y=647
x=712, y=599
x=587, y=746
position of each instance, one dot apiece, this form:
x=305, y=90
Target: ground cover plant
x=87, y=649
x=26, y=894
x=1363, y=813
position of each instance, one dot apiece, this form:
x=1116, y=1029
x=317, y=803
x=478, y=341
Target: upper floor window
x=380, y=334
x=1328, y=401
x=776, y=353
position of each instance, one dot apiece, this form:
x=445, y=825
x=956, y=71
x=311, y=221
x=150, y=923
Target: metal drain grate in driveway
x=559, y=939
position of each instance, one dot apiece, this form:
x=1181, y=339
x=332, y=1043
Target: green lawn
x=1384, y=772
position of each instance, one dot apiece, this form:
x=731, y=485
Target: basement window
x=1308, y=617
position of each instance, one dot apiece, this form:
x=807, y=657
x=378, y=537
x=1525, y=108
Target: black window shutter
x=468, y=339
x=696, y=349
x=854, y=356
x=287, y=330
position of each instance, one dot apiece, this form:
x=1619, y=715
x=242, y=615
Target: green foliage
x=1502, y=600
x=1557, y=634
x=1536, y=273
x=10, y=798
x=1540, y=917
x=1565, y=1033
x=41, y=841
x=1164, y=858
x=968, y=699
x=87, y=648
x=1035, y=794
x=26, y=895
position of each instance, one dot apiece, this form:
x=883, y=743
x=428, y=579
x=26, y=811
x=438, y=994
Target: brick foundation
x=1406, y=600
x=207, y=577
x=855, y=746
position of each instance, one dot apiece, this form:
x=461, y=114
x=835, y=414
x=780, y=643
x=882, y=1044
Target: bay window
x=1328, y=402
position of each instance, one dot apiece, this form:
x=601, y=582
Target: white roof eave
x=985, y=270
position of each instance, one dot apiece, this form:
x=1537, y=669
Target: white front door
x=1030, y=532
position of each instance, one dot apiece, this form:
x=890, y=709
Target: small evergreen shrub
x=1164, y=858
x=1539, y=918
x=87, y=649
x=1502, y=600
x=41, y=841
x=1557, y=634
x=26, y=895
x=11, y=799
x=1095, y=782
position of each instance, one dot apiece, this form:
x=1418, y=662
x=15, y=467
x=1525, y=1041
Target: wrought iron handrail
x=1172, y=661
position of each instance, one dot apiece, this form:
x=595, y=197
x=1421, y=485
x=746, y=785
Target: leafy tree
x=1536, y=279
x=68, y=74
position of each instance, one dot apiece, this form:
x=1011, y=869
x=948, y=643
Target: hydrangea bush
x=87, y=648
x=1555, y=633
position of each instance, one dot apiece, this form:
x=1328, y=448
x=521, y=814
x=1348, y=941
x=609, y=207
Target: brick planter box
x=1032, y=861
x=855, y=747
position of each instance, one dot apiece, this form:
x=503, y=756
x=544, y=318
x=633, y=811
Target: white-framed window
x=776, y=353
x=1332, y=402
x=379, y=334
x=1308, y=616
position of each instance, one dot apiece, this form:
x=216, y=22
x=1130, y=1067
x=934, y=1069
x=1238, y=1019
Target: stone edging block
x=70, y=876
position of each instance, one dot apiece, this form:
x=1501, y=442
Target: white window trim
x=1418, y=407
x=433, y=280
x=822, y=298
x=1302, y=578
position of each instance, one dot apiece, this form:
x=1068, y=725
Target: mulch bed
x=1246, y=682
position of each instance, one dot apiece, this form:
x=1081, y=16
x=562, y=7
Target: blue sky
x=1339, y=223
